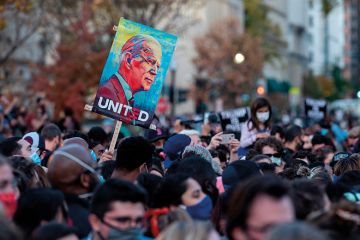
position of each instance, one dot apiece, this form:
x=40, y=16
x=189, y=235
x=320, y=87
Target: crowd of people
x=274, y=181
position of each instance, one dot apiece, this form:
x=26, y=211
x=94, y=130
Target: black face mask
x=300, y=146
x=305, y=150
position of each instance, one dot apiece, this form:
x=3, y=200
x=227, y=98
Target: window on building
x=311, y=4
x=310, y=39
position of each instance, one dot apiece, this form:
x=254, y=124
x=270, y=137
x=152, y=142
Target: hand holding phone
x=226, y=138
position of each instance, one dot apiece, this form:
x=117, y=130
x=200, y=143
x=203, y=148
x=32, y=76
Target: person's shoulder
x=111, y=81
x=105, y=86
x=109, y=87
x=288, y=151
x=247, y=125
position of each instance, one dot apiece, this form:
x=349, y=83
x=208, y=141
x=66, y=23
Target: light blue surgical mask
x=93, y=155
x=36, y=158
x=352, y=196
x=263, y=116
x=276, y=160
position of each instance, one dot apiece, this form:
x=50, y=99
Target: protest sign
x=134, y=72
x=232, y=120
x=315, y=108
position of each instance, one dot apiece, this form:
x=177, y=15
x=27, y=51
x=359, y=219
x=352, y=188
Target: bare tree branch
x=19, y=41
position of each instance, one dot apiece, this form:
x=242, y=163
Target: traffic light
x=260, y=87
x=260, y=90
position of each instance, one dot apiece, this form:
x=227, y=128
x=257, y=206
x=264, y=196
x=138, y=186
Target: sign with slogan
x=231, y=120
x=134, y=73
x=315, y=108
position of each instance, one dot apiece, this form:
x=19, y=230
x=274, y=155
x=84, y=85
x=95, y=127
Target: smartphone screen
x=226, y=138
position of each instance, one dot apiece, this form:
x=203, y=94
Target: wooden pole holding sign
x=115, y=136
x=116, y=131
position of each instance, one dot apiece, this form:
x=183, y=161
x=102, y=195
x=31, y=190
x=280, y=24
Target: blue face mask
x=101, y=179
x=202, y=210
x=352, y=196
x=276, y=160
x=93, y=155
x=324, y=131
x=35, y=158
x=334, y=178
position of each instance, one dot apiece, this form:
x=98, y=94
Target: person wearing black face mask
x=72, y=170
x=117, y=211
x=293, y=142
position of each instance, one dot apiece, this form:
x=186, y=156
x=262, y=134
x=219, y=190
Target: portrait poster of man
x=134, y=72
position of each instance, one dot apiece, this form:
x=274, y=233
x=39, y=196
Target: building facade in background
x=352, y=41
x=183, y=67
x=292, y=65
x=310, y=42
x=308, y=48
x=321, y=54
x=305, y=46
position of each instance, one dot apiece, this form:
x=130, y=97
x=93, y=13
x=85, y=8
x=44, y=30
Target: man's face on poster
x=145, y=66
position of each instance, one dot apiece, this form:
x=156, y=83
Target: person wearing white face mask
x=258, y=126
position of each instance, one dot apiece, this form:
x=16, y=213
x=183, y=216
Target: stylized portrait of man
x=140, y=60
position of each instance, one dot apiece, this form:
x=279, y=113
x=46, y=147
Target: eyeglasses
x=128, y=221
x=277, y=155
x=153, y=62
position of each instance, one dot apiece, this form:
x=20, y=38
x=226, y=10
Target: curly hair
x=271, y=142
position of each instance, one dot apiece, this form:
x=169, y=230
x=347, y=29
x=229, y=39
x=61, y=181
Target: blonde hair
x=187, y=230
x=173, y=216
